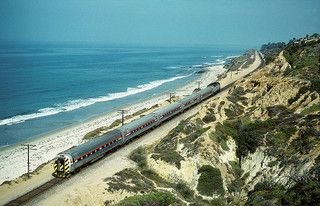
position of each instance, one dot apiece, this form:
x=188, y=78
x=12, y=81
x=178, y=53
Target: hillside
x=260, y=145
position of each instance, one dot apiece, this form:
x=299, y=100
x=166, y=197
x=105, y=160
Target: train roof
x=188, y=98
x=137, y=122
x=205, y=90
x=92, y=144
x=167, y=108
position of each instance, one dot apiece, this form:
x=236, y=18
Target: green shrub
x=184, y=191
x=139, y=155
x=219, y=138
x=151, y=174
x=234, y=110
x=210, y=181
x=194, y=135
x=130, y=180
x=166, y=148
x=209, y=118
x=304, y=192
x=169, y=142
x=169, y=156
x=236, y=185
x=311, y=109
x=220, y=106
x=227, y=128
x=156, y=198
x=180, y=128
x=199, y=201
x=236, y=168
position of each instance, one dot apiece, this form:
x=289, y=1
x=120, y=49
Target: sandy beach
x=74, y=191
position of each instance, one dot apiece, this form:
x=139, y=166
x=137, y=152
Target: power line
x=123, y=111
x=28, y=147
x=171, y=95
x=199, y=82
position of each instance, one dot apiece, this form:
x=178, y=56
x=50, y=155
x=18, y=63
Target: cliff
x=257, y=145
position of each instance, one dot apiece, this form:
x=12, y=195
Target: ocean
x=44, y=88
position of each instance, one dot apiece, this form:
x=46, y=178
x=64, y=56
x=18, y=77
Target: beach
x=56, y=142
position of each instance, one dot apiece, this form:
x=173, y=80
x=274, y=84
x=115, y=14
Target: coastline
x=49, y=145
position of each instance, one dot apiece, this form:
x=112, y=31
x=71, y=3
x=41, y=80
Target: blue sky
x=158, y=22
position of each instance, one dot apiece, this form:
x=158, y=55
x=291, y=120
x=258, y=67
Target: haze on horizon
x=159, y=22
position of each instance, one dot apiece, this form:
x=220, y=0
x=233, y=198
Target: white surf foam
x=174, y=67
x=79, y=103
x=220, y=61
x=230, y=57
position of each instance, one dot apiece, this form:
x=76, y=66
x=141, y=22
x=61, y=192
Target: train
x=73, y=159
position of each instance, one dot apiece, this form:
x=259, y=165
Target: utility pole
x=29, y=147
x=199, y=82
x=123, y=111
x=171, y=95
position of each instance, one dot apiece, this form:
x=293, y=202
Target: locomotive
x=71, y=160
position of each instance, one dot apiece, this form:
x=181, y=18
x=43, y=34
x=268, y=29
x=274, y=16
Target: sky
x=158, y=22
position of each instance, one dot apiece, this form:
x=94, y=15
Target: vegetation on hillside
x=271, y=50
x=156, y=198
x=287, y=138
x=302, y=193
x=305, y=62
x=210, y=181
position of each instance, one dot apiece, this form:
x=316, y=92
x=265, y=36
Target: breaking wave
x=79, y=103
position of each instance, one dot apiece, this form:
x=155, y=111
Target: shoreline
x=54, y=142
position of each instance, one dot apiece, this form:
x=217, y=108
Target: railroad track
x=44, y=187
x=35, y=192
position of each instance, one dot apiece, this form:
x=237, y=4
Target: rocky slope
x=258, y=146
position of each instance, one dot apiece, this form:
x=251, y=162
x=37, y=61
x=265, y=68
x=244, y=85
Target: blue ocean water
x=46, y=87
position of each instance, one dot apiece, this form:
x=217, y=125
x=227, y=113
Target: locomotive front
x=62, y=165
